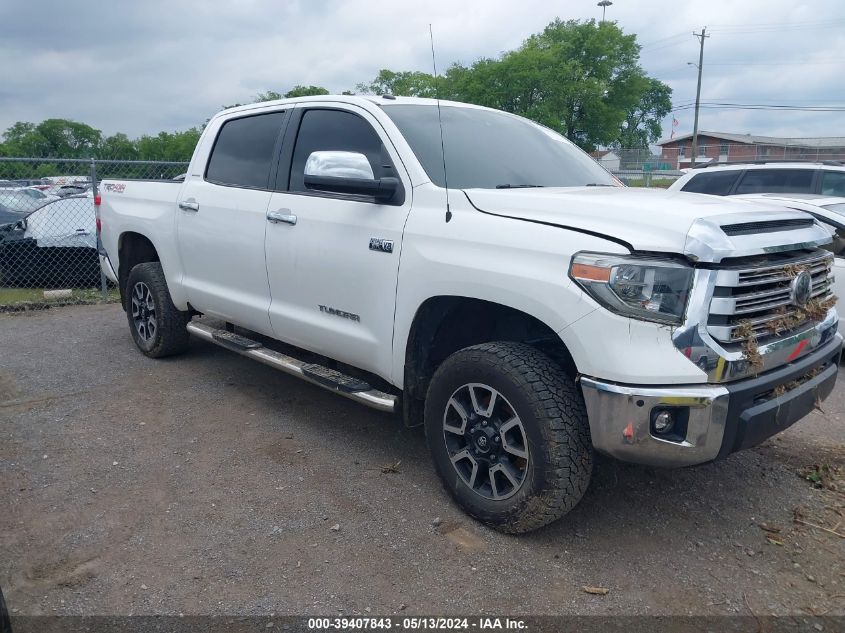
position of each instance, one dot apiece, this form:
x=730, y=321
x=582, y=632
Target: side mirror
x=349, y=173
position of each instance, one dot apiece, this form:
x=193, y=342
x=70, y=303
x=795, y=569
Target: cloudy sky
x=143, y=66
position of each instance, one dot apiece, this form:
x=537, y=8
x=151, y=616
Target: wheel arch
x=444, y=324
x=133, y=248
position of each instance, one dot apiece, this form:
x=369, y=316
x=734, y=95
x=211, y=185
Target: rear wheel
x=157, y=327
x=509, y=436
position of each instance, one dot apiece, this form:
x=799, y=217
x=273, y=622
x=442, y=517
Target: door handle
x=189, y=205
x=282, y=215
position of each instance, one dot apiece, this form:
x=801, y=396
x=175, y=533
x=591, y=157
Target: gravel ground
x=210, y=484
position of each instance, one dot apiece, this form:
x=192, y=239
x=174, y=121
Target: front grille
x=752, y=298
x=767, y=226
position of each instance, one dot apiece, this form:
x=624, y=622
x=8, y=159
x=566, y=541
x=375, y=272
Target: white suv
x=825, y=178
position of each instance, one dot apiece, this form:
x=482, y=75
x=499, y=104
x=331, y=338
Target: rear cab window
x=244, y=151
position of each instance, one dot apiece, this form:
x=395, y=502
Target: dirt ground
x=210, y=484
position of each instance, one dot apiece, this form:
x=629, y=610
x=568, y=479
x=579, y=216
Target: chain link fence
x=49, y=250
x=662, y=166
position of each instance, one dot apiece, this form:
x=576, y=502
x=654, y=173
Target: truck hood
x=658, y=221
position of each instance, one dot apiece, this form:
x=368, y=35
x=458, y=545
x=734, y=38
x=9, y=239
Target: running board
x=352, y=388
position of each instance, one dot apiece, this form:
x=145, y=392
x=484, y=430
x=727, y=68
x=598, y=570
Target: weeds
x=817, y=309
x=793, y=270
x=822, y=476
x=750, y=348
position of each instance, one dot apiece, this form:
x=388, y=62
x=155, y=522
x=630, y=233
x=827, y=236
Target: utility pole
x=701, y=36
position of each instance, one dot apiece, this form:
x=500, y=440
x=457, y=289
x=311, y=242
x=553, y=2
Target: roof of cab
x=379, y=100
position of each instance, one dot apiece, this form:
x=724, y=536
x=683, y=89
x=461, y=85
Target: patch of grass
x=655, y=184
x=9, y=296
x=14, y=299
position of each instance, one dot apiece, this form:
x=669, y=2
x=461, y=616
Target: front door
x=222, y=223
x=333, y=259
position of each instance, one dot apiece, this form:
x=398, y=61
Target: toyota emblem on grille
x=801, y=288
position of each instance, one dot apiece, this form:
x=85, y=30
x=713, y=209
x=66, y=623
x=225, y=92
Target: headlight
x=636, y=287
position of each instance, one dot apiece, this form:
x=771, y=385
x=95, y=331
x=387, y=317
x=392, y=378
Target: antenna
x=440, y=122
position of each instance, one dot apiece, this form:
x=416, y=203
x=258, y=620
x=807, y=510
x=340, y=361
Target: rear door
x=333, y=262
x=222, y=221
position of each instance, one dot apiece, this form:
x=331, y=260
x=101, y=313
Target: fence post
x=104, y=287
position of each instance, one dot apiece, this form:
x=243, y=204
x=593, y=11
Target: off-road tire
x=554, y=419
x=5, y=622
x=170, y=336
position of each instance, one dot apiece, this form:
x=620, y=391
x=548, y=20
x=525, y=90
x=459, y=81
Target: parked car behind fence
x=48, y=233
x=52, y=246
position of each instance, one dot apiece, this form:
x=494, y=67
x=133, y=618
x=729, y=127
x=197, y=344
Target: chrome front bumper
x=717, y=419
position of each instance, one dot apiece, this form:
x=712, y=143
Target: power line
x=739, y=29
x=665, y=46
x=759, y=106
x=777, y=101
x=664, y=39
x=778, y=26
x=807, y=62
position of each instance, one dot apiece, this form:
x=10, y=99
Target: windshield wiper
x=507, y=186
x=598, y=184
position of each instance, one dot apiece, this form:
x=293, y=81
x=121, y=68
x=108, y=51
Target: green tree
x=582, y=79
x=52, y=138
x=21, y=139
x=118, y=147
x=642, y=124
x=305, y=91
x=591, y=78
x=270, y=95
x=401, y=84
x=68, y=139
x=169, y=146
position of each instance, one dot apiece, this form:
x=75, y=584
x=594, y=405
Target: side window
x=243, y=152
x=833, y=183
x=337, y=130
x=714, y=183
x=776, y=181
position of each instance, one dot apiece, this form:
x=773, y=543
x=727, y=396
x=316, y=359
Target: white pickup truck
x=481, y=275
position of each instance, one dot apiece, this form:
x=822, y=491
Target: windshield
x=488, y=149
x=839, y=208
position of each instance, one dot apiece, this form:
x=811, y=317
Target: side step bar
x=352, y=388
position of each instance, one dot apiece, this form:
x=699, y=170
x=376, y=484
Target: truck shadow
x=651, y=505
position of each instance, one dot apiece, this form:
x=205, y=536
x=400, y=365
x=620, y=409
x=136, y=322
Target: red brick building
x=724, y=147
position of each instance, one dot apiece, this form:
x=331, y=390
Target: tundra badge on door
x=378, y=244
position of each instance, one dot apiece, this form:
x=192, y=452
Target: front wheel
x=157, y=327
x=508, y=433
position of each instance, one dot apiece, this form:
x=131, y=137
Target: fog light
x=663, y=422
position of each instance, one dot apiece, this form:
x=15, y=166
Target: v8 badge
x=378, y=244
